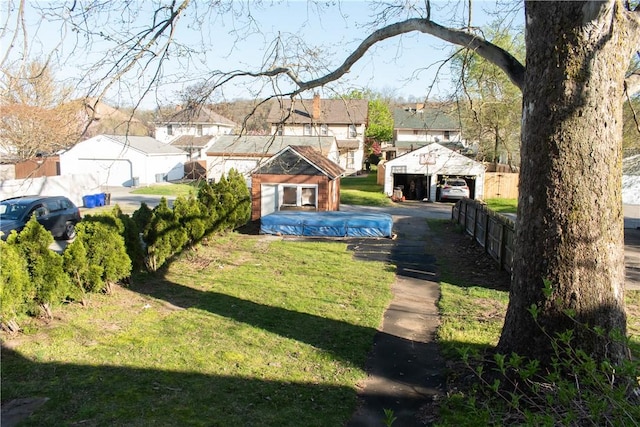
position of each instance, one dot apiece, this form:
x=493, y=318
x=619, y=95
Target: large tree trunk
x=570, y=221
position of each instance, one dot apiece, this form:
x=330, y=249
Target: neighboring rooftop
x=423, y=116
x=316, y=110
x=196, y=115
x=145, y=144
x=261, y=145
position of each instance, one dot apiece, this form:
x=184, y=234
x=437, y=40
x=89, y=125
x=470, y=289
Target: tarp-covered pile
x=327, y=224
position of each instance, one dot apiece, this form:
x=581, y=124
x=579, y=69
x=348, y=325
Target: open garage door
x=469, y=179
x=414, y=186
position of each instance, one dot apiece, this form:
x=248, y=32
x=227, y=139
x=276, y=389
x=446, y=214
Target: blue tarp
x=327, y=224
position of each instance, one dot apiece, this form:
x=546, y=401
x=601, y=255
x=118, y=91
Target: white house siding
x=219, y=166
x=426, y=136
x=447, y=162
x=117, y=164
x=179, y=130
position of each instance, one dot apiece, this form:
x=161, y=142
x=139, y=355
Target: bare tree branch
x=501, y=58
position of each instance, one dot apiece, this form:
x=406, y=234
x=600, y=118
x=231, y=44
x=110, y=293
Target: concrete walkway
x=405, y=367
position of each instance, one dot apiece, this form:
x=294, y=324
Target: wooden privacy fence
x=500, y=185
x=492, y=231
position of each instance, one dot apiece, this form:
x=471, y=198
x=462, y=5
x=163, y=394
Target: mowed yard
x=245, y=330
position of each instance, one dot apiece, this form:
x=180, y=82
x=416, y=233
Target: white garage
x=124, y=160
x=418, y=172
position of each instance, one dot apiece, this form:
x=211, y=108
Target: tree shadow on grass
x=333, y=336
x=116, y=395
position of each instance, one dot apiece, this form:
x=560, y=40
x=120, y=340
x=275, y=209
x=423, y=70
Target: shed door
x=268, y=199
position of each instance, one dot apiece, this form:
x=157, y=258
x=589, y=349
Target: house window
x=352, y=131
x=199, y=130
x=324, y=130
x=170, y=130
x=306, y=130
x=447, y=135
x=299, y=196
x=279, y=130
x=350, y=159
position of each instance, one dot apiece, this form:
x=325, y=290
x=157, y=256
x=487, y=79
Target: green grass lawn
x=362, y=190
x=502, y=205
x=168, y=189
x=243, y=331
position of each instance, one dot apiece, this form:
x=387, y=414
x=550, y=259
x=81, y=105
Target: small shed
x=124, y=160
x=418, y=173
x=297, y=178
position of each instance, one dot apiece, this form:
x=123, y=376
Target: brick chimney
x=315, y=114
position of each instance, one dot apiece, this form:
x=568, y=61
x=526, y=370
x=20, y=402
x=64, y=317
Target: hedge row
x=109, y=246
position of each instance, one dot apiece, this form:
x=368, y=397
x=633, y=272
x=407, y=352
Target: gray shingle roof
x=146, y=144
x=261, y=145
x=428, y=118
x=332, y=111
x=190, y=141
x=196, y=115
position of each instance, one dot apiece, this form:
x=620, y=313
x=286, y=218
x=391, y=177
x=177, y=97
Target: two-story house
x=419, y=125
x=344, y=119
x=193, y=129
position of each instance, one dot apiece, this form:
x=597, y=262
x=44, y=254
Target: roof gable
x=331, y=111
x=300, y=160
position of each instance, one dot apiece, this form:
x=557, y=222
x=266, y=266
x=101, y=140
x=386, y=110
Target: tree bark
x=570, y=221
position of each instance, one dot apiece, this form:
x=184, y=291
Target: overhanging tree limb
x=501, y=58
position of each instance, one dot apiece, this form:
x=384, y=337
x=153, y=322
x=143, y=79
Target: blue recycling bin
x=100, y=199
x=89, y=201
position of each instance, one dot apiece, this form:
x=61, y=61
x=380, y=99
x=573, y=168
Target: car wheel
x=69, y=231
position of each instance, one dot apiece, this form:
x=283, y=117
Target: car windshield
x=11, y=211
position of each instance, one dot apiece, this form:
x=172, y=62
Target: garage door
x=115, y=173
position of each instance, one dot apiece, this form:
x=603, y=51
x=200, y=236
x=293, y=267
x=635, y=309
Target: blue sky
x=404, y=66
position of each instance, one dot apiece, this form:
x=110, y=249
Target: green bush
x=132, y=239
x=210, y=200
x=50, y=283
x=142, y=217
x=191, y=214
x=14, y=285
x=165, y=236
x=105, y=255
x=576, y=389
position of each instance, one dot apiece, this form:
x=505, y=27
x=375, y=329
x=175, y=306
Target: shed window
x=299, y=196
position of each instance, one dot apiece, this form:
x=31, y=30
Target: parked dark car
x=57, y=214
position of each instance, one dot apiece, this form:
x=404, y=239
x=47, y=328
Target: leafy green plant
x=389, y=417
x=191, y=214
x=165, y=236
x=14, y=286
x=132, y=238
x=577, y=389
x=104, y=254
x=49, y=284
